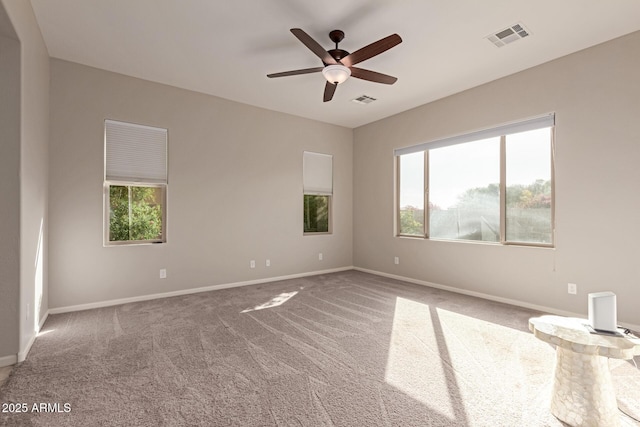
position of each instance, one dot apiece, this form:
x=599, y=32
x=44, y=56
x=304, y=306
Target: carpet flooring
x=341, y=349
x=4, y=374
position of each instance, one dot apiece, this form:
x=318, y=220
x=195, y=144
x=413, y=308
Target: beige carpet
x=344, y=349
x=4, y=374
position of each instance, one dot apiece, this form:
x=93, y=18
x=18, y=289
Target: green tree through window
x=135, y=213
x=528, y=209
x=316, y=214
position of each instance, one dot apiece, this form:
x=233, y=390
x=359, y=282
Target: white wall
x=33, y=172
x=235, y=190
x=9, y=190
x=595, y=94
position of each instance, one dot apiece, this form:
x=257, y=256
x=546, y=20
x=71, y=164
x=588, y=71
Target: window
x=529, y=216
x=411, y=194
x=135, y=185
x=494, y=185
x=463, y=191
x=316, y=213
x=135, y=213
x=317, y=192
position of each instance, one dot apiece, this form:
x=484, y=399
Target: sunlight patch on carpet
x=273, y=302
x=413, y=364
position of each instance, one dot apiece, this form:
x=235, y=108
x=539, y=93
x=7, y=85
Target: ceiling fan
x=339, y=64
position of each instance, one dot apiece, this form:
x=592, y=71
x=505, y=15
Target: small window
x=317, y=192
x=135, y=185
x=316, y=213
x=136, y=213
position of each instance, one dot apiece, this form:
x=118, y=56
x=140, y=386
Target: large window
x=317, y=192
x=493, y=186
x=135, y=185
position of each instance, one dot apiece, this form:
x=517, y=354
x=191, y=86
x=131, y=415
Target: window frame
x=503, y=194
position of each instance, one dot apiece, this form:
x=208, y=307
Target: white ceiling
x=226, y=48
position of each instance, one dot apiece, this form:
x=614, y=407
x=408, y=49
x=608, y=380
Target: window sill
x=120, y=244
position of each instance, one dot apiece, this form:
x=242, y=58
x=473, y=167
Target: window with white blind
x=135, y=183
x=317, y=192
x=494, y=185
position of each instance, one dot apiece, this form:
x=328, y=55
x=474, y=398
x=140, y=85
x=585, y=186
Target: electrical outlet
x=396, y=260
x=268, y=263
x=320, y=256
x=163, y=273
x=572, y=288
x=252, y=263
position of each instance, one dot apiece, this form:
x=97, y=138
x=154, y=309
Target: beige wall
x=595, y=94
x=235, y=187
x=9, y=193
x=33, y=173
x=235, y=190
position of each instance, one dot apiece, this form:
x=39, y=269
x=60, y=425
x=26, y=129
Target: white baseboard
x=518, y=303
x=120, y=301
x=22, y=355
x=8, y=360
x=44, y=319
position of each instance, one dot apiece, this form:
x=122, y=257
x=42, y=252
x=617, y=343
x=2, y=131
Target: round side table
x=583, y=393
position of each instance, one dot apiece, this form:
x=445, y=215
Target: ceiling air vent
x=508, y=35
x=363, y=99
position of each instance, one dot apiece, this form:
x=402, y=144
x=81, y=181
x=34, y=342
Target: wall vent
x=363, y=99
x=508, y=35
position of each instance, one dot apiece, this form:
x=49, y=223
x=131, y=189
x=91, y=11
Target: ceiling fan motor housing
x=337, y=54
x=337, y=36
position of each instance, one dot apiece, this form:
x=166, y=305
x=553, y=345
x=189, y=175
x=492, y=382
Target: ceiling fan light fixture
x=336, y=73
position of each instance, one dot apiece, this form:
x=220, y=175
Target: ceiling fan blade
x=329, y=90
x=314, y=46
x=369, y=51
x=295, y=72
x=372, y=76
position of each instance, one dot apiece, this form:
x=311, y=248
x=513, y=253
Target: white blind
x=317, y=173
x=547, y=120
x=135, y=153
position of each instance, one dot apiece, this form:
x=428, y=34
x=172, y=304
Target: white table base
x=583, y=393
